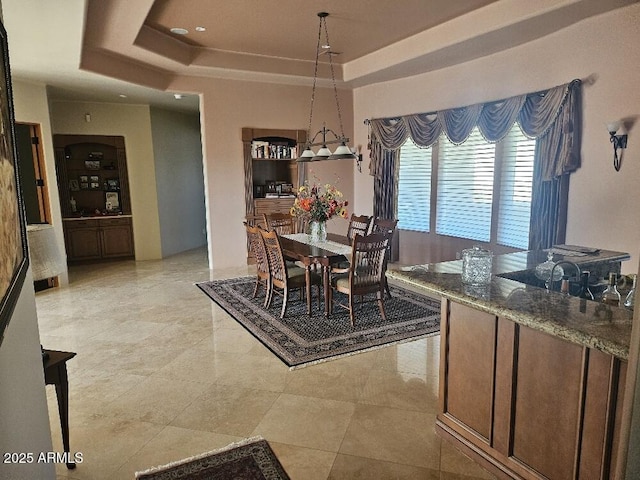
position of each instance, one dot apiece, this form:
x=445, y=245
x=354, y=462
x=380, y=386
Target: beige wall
x=179, y=180
x=602, y=203
x=133, y=122
x=24, y=417
x=226, y=107
x=31, y=106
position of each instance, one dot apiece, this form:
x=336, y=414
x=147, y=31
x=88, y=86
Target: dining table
x=299, y=247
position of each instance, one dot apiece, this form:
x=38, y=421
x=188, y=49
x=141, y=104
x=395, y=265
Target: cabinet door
x=117, y=241
x=83, y=243
x=467, y=371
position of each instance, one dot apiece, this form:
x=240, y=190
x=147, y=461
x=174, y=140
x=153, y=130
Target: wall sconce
x=358, y=157
x=618, y=141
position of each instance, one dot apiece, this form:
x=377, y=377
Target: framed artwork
x=74, y=186
x=112, y=201
x=14, y=258
x=113, y=184
x=92, y=164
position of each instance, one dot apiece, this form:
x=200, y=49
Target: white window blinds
x=465, y=188
x=414, y=187
x=515, y=189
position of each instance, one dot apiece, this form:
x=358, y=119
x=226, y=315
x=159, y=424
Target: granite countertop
x=587, y=323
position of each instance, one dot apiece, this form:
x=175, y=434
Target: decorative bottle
x=74, y=206
x=585, y=291
x=611, y=296
x=629, y=301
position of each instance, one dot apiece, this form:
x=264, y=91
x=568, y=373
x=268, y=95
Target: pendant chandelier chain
x=343, y=151
x=333, y=75
x=315, y=77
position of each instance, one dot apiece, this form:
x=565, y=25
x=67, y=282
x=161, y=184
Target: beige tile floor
x=162, y=373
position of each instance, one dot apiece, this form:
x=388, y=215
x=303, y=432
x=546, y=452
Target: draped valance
x=535, y=112
x=553, y=117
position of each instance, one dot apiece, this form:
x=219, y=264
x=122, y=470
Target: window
x=515, y=189
x=414, y=187
x=465, y=188
x=468, y=179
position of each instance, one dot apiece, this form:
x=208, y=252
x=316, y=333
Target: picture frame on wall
x=14, y=257
x=112, y=201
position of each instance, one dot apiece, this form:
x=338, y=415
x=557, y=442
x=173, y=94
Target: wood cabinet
x=92, y=174
x=526, y=404
x=272, y=205
x=270, y=159
x=98, y=238
x=94, y=196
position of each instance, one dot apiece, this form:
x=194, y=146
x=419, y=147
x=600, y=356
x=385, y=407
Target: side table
x=55, y=373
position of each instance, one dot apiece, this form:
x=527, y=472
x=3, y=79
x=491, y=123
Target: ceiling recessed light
x=179, y=31
x=201, y=29
x=178, y=96
x=122, y=95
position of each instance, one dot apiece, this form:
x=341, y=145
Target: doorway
x=32, y=173
x=33, y=181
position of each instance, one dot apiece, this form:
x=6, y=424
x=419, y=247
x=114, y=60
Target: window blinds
x=465, y=188
x=414, y=187
x=516, y=181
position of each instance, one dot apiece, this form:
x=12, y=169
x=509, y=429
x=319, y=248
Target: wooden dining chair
x=388, y=227
x=358, y=225
x=280, y=222
x=366, y=274
x=284, y=278
x=263, y=276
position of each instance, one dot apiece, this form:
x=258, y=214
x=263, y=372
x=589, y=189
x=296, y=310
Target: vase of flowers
x=317, y=204
x=317, y=231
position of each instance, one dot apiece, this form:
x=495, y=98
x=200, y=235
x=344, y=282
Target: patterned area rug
x=301, y=340
x=251, y=459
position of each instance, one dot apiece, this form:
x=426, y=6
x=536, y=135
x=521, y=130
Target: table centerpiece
x=316, y=204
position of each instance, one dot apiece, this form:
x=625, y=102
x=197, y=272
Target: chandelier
x=343, y=151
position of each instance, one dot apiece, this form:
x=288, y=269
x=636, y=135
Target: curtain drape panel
x=553, y=117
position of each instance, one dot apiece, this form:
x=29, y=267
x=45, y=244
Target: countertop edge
x=523, y=318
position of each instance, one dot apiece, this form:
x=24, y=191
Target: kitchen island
x=531, y=381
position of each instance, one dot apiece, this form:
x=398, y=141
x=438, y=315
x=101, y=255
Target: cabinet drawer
x=275, y=205
x=88, y=223
x=110, y=222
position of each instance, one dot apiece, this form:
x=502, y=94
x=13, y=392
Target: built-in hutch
x=94, y=197
x=272, y=174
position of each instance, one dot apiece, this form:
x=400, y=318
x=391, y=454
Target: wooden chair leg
x=267, y=294
x=285, y=297
x=383, y=314
x=269, y=297
x=330, y=299
x=255, y=289
x=386, y=287
x=351, y=314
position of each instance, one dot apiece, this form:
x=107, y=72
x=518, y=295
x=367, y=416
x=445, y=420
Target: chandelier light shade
x=324, y=153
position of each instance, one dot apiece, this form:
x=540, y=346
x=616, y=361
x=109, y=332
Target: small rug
x=251, y=459
x=301, y=340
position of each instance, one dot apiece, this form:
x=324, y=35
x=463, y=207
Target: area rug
x=251, y=459
x=302, y=340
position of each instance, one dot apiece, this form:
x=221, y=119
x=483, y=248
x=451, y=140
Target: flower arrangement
x=319, y=204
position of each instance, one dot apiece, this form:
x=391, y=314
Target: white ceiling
x=270, y=40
